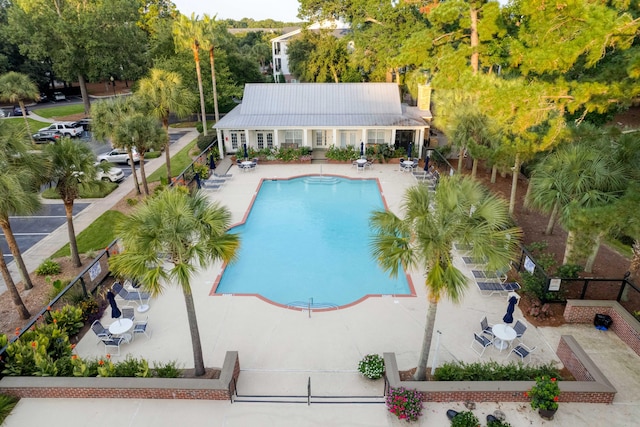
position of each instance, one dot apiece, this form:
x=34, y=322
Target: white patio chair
x=141, y=328
x=482, y=341
x=523, y=352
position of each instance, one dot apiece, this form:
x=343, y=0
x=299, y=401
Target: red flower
x=49, y=308
x=555, y=398
x=100, y=362
x=74, y=356
x=553, y=379
x=108, y=356
x=55, y=320
x=34, y=344
x=526, y=394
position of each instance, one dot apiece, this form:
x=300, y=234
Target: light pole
x=113, y=84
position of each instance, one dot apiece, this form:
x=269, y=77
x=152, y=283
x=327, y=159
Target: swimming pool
x=308, y=238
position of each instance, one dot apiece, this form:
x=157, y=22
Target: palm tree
x=108, y=116
x=143, y=133
x=16, y=87
x=72, y=163
x=163, y=94
x=19, y=180
x=187, y=34
x=207, y=43
x=182, y=230
x=460, y=210
x=472, y=130
x=573, y=178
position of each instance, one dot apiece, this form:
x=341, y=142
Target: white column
x=305, y=137
x=393, y=137
x=421, y=139
x=335, y=137
x=220, y=143
x=364, y=135
x=276, y=142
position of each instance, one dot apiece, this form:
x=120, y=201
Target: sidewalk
x=58, y=238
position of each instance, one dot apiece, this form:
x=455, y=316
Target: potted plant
x=372, y=366
x=544, y=396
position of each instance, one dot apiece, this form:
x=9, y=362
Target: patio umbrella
x=508, y=318
x=115, y=311
x=361, y=149
x=426, y=163
x=410, y=149
x=212, y=162
x=197, y=178
x=246, y=153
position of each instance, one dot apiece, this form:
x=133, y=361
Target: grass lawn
x=18, y=122
x=60, y=111
x=93, y=192
x=179, y=161
x=95, y=237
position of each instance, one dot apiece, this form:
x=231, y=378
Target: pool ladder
x=310, y=305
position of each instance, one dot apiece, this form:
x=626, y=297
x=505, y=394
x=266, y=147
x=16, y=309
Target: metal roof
x=298, y=105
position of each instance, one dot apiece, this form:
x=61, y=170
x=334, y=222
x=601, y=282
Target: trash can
x=602, y=321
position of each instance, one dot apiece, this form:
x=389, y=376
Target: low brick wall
x=598, y=390
x=625, y=326
x=140, y=388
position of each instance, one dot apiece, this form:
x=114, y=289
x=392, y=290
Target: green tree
x=72, y=164
x=189, y=34
x=319, y=56
x=143, y=133
x=108, y=116
x=460, y=210
x=163, y=93
x=181, y=230
x=573, y=179
x=16, y=87
x=20, y=177
x=83, y=40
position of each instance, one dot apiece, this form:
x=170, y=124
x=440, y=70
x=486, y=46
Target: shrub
x=372, y=366
x=7, y=403
x=48, y=268
x=69, y=318
x=131, y=367
x=465, y=419
x=201, y=169
x=493, y=371
x=568, y=271
x=90, y=309
x=167, y=370
x=498, y=423
x=205, y=140
x=405, y=404
x=132, y=202
x=37, y=352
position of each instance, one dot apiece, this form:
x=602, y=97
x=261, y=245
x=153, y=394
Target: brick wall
x=625, y=326
x=145, y=388
x=597, y=389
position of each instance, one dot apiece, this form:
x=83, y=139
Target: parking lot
x=29, y=230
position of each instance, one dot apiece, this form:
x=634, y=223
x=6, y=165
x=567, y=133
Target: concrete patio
x=279, y=349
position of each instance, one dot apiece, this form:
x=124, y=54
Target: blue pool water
x=307, y=238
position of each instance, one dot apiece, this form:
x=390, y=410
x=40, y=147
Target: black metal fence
x=622, y=290
x=83, y=286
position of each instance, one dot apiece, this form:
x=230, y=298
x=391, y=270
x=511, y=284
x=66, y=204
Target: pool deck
x=279, y=349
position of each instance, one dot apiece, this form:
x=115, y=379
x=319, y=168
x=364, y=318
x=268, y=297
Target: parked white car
x=113, y=174
x=119, y=155
x=65, y=128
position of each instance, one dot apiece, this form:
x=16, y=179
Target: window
x=260, y=141
x=269, y=140
x=234, y=140
x=293, y=137
x=278, y=64
x=347, y=137
x=377, y=136
x=276, y=48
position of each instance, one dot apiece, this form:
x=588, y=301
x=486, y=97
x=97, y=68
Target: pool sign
x=554, y=284
x=95, y=271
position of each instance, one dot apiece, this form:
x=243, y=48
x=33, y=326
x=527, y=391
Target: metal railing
x=82, y=286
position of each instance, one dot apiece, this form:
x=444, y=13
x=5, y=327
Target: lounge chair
x=139, y=298
x=469, y=260
x=225, y=175
x=482, y=341
x=101, y=332
x=489, y=288
x=489, y=276
x=522, y=351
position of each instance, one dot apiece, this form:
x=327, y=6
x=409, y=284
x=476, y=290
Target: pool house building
x=321, y=115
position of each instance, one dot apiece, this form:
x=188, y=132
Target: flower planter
x=547, y=414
